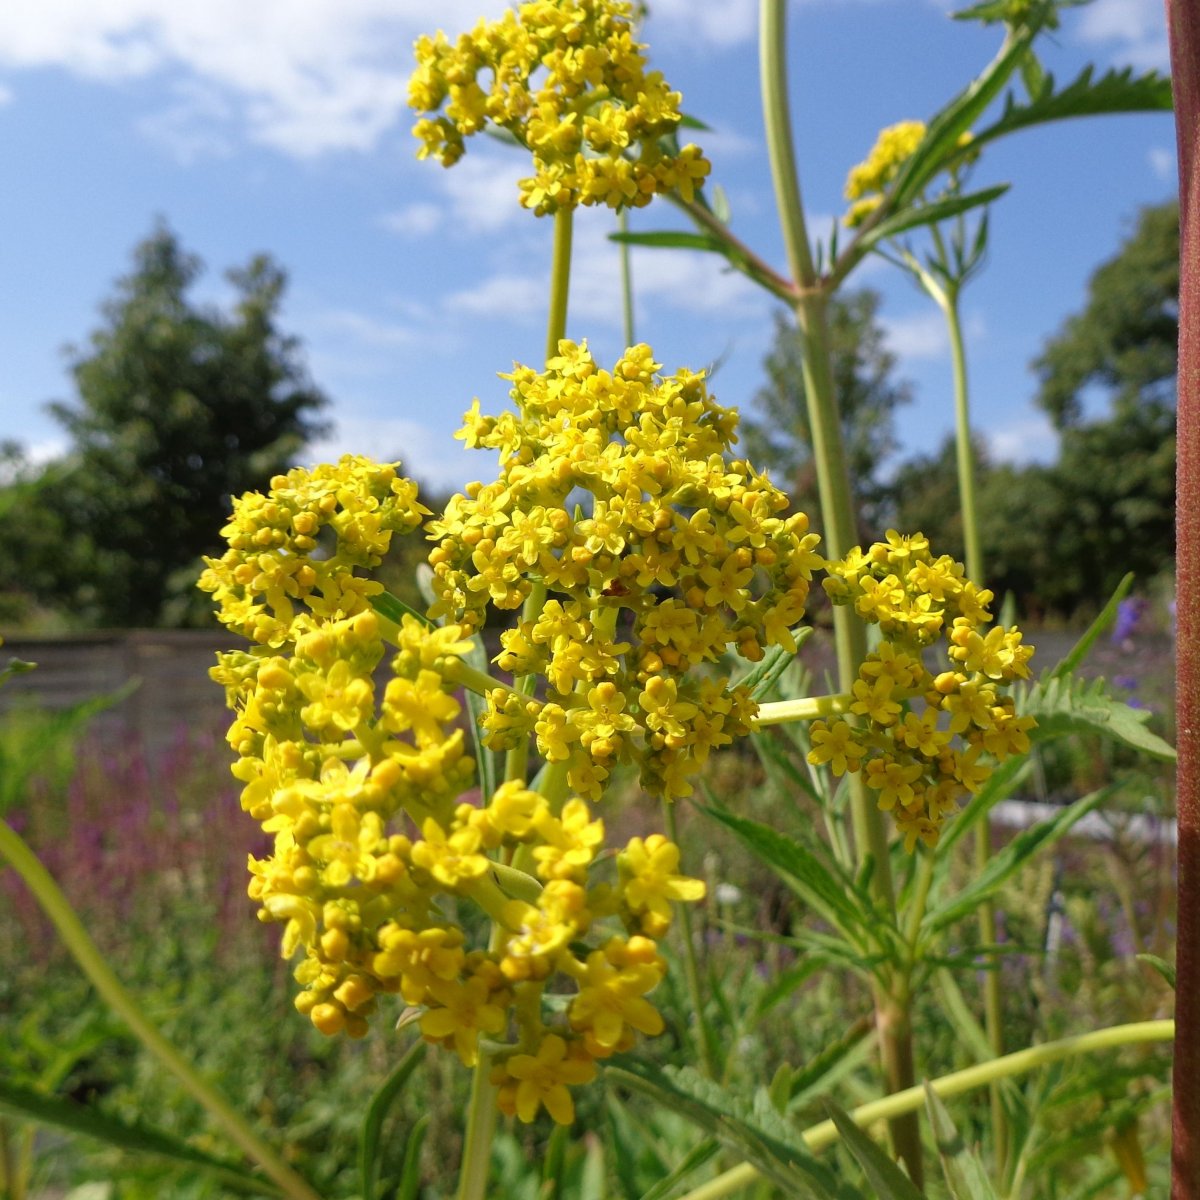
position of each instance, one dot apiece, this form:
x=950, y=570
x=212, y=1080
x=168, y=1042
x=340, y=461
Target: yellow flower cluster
x=569, y=82
x=652, y=553
x=868, y=180
x=270, y=568
x=364, y=791
x=923, y=741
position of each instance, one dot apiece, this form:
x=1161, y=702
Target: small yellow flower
x=529, y=1081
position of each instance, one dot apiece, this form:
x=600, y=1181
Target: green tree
x=776, y=433
x=1060, y=537
x=179, y=407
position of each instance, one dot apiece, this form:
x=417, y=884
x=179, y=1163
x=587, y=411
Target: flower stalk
x=911, y=1100
x=838, y=520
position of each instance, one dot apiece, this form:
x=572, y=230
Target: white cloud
x=718, y=22
x=1029, y=440
x=435, y=460
x=1137, y=26
x=1162, y=161
x=918, y=335
x=364, y=330
x=413, y=220
x=512, y=296
x=6, y=95
x=301, y=77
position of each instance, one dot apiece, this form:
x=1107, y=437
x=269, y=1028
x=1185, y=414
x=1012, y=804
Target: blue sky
x=280, y=126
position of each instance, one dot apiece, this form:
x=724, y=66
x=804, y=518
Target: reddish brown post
x=1183, y=22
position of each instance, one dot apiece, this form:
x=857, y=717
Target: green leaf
x=940, y=143
x=755, y=1130
x=1164, y=968
x=832, y=895
x=16, y=666
x=1001, y=783
x=1116, y=91
x=929, y=214
x=410, y=1175
x=1070, y=704
x=763, y=675
x=1108, y=614
x=395, y=610
x=673, y=238
x=140, y=1138
x=692, y=1161
x=593, y=1180
x=822, y=1070
x=964, y=1173
x=1007, y=861
x=372, y=1126
x=887, y=1180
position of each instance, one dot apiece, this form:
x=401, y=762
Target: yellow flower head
x=659, y=553
x=921, y=737
x=569, y=82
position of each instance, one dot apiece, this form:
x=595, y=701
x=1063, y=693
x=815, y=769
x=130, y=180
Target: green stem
x=840, y=526
x=993, y=1005
x=691, y=968
x=92, y=962
x=782, y=712
x=626, y=280
x=481, y=1129
x=821, y=1136
x=560, y=281
x=962, y=440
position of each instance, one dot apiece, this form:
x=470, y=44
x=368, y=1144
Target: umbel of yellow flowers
x=652, y=556
x=568, y=81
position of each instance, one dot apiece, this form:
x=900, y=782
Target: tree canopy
x=179, y=406
x=777, y=434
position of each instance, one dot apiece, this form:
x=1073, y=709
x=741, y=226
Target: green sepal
x=965, y=1176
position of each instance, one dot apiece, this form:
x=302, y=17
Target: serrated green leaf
x=1070, y=704
x=832, y=895
x=929, y=214
x=136, y=1136
x=1108, y=614
x=1164, y=968
x=887, y=1180
x=940, y=143
x=766, y=1139
x=677, y=239
x=820, y=1071
x=965, y=1176
x=1116, y=91
x=376, y=1114
x=692, y=1161
x=1007, y=861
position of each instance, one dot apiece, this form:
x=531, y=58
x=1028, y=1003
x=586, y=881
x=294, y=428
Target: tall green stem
x=626, y=280
x=840, y=529
x=993, y=1006
x=92, y=962
x=821, y=1136
x=691, y=968
x=560, y=280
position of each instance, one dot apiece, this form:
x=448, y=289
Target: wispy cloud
x=437, y=461
x=917, y=335
x=1162, y=161
x=1136, y=27
x=1031, y=439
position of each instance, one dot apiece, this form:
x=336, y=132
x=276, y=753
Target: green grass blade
x=377, y=1110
